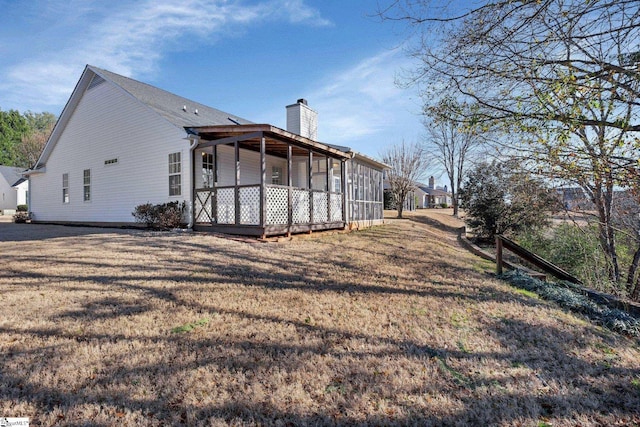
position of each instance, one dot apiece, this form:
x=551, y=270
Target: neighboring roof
x=11, y=174
x=433, y=191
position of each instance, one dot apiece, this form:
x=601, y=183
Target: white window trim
x=173, y=173
x=85, y=185
x=66, y=199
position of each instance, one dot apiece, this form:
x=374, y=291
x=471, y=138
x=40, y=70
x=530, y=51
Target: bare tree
x=626, y=217
x=408, y=165
x=31, y=145
x=450, y=142
x=562, y=74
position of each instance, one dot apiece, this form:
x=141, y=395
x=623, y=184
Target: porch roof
x=276, y=139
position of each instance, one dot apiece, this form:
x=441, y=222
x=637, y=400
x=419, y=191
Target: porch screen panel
x=335, y=176
x=249, y=167
x=300, y=171
x=226, y=166
x=319, y=172
x=226, y=202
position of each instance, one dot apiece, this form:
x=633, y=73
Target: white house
x=10, y=197
x=120, y=143
x=431, y=196
x=21, y=187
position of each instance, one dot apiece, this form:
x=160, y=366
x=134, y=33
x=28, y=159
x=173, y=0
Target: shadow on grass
x=594, y=393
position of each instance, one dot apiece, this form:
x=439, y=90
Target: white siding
x=7, y=195
x=109, y=124
x=21, y=192
x=302, y=120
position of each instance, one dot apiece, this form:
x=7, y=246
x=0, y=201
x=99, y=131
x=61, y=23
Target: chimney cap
x=302, y=101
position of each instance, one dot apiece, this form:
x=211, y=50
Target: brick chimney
x=302, y=120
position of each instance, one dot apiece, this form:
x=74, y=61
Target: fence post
x=498, y=255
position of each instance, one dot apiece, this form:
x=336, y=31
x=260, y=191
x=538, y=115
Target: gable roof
x=11, y=174
x=169, y=106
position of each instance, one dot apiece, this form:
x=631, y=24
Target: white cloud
x=130, y=39
x=364, y=103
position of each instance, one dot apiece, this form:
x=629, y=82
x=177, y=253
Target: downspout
x=195, y=140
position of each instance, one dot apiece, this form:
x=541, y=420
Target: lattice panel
x=249, y=205
x=204, y=210
x=300, y=206
x=277, y=206
x=226, y=202
x=336, y=207
x=320, y=206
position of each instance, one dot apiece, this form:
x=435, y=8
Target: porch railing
x=242, y=205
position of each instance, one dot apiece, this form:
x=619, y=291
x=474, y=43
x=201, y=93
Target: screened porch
x=264, y=181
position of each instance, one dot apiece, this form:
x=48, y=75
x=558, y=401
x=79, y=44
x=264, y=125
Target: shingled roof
x=177, y=110
x=11, y=174
x=180, y=111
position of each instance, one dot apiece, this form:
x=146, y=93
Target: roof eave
x=272, y=131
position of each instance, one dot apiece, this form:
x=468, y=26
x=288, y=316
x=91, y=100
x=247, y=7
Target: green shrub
x=164, y=215
x=444, y=205
x=575, y=250
x=22, y=208
x=499, y=198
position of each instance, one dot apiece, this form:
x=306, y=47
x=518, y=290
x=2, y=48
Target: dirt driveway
x=12, y=232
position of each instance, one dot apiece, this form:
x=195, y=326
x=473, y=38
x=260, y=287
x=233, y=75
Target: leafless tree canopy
x=562, y=74
x=408, y=164
x=450, y=141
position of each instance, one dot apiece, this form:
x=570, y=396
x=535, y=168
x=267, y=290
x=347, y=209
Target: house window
x=87, y=184
x=65, y=188
x=276, y=175
x=207, y=170
x=110, y=162
x=175, y=184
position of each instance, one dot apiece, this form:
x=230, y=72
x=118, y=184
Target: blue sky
x=249, y=58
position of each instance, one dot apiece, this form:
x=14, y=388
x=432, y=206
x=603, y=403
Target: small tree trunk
x=634, y=291
x=454, y=202
x=400, y=209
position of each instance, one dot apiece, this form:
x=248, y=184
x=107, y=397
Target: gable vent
x=95, y=81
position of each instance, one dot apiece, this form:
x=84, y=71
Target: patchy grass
x=394, y=325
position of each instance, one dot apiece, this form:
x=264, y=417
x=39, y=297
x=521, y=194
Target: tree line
x=547, y=90
x=23, y=136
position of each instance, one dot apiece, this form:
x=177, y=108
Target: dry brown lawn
x=394, y=325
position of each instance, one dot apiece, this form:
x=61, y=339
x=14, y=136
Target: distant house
x=424, y=196
x=10, y=196
x=120, y=143
x=574, y=199
x=431, y=196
